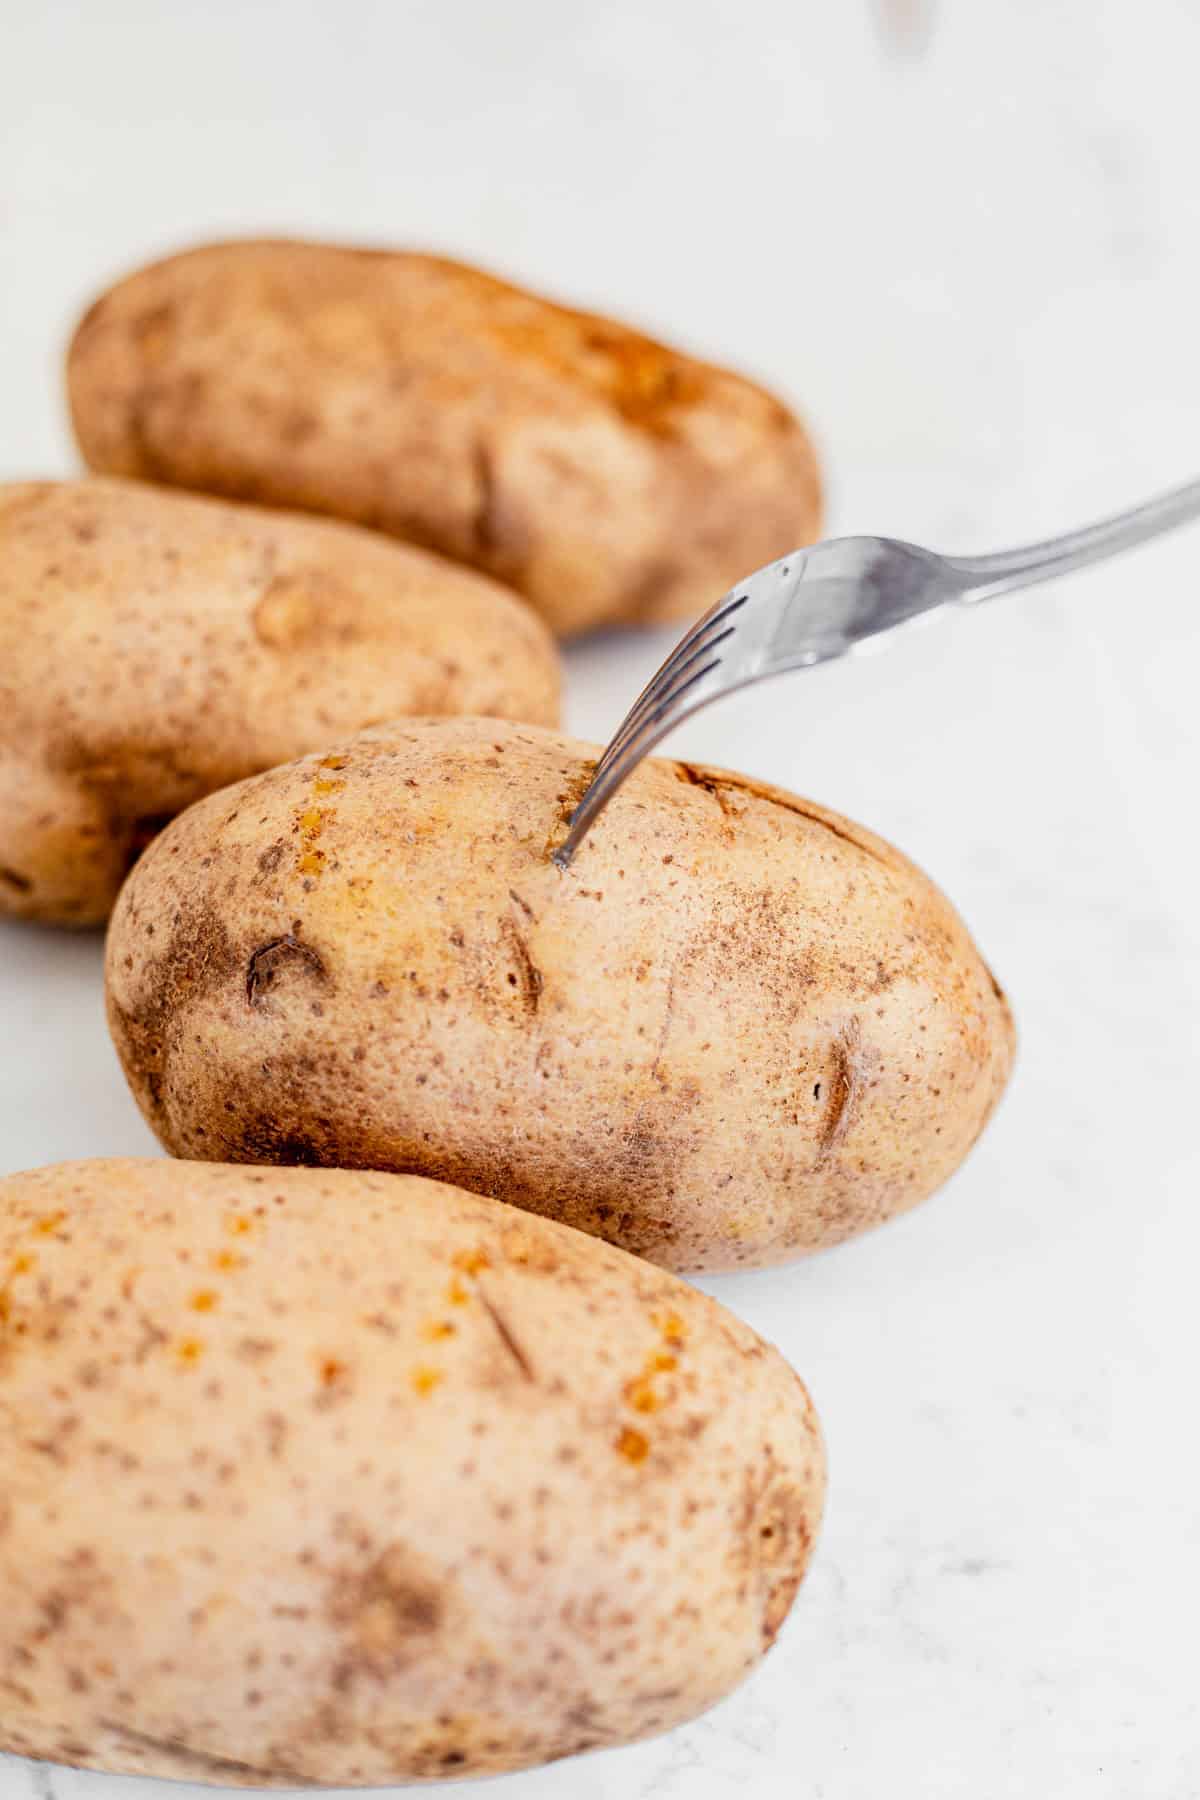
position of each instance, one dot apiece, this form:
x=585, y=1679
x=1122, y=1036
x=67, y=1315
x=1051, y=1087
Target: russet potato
x=313, y=1476
x=605, y=476
x=155, y=646
x=738, y=1028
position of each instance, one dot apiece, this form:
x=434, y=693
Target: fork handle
x=987, y=576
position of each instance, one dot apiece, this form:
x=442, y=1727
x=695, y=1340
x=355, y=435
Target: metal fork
x=831, y=598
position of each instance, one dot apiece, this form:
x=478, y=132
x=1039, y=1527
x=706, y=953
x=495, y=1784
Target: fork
x=828, y=599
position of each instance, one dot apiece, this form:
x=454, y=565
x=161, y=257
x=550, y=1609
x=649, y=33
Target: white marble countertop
x=977, y=269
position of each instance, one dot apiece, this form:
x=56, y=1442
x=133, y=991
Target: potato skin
x=738, y=1029
x=606, y=477
x=316, y=1476
x=155, y=647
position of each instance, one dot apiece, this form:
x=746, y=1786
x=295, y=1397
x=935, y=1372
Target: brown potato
x=739, y=1028
x=349, y=1478
x=606, y=477
x=154, y=647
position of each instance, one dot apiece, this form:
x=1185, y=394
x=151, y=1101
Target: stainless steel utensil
x=823, y=601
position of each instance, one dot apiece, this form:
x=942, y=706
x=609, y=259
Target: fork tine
x=692, y=644
x=663, y=692
x=690, y=641
x=604, y=784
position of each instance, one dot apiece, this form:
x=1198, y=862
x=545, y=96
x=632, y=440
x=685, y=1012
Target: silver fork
x=823, y=601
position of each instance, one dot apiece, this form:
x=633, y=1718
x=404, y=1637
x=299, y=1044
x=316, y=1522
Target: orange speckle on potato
x=425, y=1379
x=332, y=762
x=48, y=1224
x=472, y=1261
x=23, y=1264
x=238, y=1225
x=672, y=1327
x=204, y=1300
x=456, y=1293
x=633, y=1445
x=188, y=1351
x=333, y=1371
x=439, y=1328
x=661, y=1361
x=227, y=1259
x=641, y=1395
x=323, y=785
x=312, y=862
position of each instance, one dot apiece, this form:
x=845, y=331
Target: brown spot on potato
x=277, y=959
x=271, y=858
x=775, y=1540
x=844, y=1088
x=152, y=1337
x=184, y=1760
x=151, y=330
x=487, y=521
x=526, y=976
x=721, y=784
x=275, y=1428
x=387, y=1613
x=781, y=1592
x=197, y=958
x=336, y=1380
x=506, y=1334
x=20, y=884
x=694, y=777
x=529, y=1249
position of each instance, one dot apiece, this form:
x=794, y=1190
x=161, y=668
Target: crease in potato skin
x=155, y=647
x=306, y=1533
x=605, y=476
x=738, y=1029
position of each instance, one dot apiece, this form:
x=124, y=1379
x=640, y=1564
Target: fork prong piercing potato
x=155, y=646
x=313, y=1476
x=738, y=1028
x=606, y=477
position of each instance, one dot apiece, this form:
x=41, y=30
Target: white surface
x=977, y=271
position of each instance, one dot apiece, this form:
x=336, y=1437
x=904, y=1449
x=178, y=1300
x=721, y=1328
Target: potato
x=154, y=647
x=737, y=1029
x=606, y=477
x=316, y=1476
